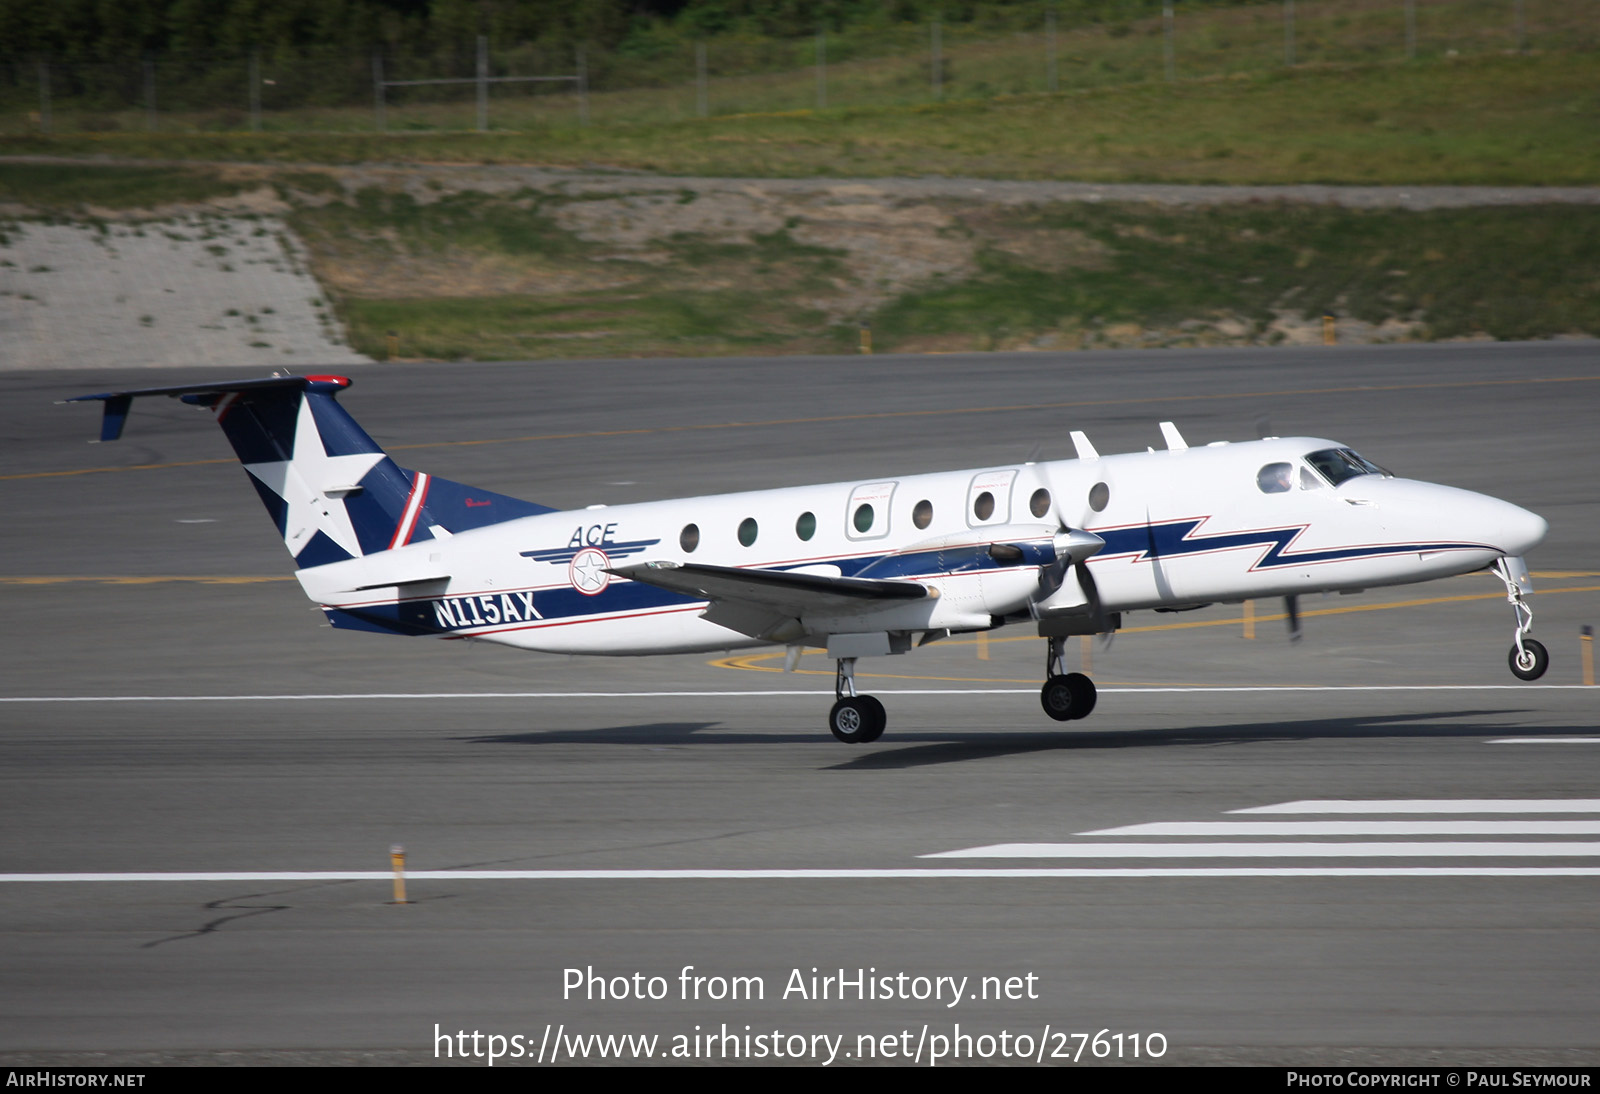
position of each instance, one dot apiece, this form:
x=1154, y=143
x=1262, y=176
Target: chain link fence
x=468, y=85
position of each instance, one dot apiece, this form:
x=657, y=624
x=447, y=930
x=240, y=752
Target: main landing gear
x=854, y=719
x=1528, y=658
x=1065, y=695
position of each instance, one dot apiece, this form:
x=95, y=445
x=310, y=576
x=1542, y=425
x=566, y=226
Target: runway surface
x=223, y=776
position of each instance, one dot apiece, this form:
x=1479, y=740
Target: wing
x=757, y=602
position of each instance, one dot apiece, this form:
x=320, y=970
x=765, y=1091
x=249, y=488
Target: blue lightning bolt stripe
x=1178, y=538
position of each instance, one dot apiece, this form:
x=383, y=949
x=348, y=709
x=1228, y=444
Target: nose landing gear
x=1065, y=695
x=1528, y=658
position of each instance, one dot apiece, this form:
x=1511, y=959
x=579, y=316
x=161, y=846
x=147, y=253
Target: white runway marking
x=1441, y=849
x=824, y=875
x=1546, y=741
x=1230, y=829
x=1434, y=805
x=811, y=693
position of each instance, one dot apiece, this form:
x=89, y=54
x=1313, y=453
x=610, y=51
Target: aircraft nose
x=1525, y=530
x=1519, y=531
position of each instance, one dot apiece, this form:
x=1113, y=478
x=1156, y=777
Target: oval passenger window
x=983, y=506
x=922, y=515
x=806, y=526
x=689, y=538
x=747, y=531
x=863, y=518
x=1039, y=504
x=1275, y=478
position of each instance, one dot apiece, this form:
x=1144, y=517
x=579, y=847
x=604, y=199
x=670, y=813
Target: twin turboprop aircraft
x=862, y=568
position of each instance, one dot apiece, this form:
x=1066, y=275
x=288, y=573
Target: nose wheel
x=1528, y=657
x=1065, y=695
x=854, y=719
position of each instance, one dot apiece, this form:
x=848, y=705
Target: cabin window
x=922, y=515
x=1039, y=504
x=869, y=512
x=1099, y=497
x=1275, y=478
x=989, y=496
x=689, y=538
x=806, y=526
x=1308, y=481
x=747, y=531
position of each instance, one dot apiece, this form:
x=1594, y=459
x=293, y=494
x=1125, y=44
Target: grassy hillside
x=541, y=275
x=1500, y=119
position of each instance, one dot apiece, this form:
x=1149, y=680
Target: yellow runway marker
x=1079, y=404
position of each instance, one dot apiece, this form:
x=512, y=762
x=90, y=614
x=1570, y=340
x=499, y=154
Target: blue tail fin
x=332, y=492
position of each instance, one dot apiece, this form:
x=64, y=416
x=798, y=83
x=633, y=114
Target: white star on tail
x=302, y=483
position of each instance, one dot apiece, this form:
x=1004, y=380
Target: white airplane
x=862, y=568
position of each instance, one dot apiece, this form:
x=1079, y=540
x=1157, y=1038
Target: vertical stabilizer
x=330, y=490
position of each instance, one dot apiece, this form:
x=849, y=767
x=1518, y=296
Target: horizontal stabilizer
x=118, y=402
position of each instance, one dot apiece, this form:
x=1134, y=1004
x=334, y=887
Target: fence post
x=822, y=70
x=483, y=83
x=255, y=91
x=44, y=96
x=583, y=87
x=1050, y=78
x=701, y=100
x=1288, y=32
x=1166, y=41
x=380, y=114
x=150, y=94
x=937, y=56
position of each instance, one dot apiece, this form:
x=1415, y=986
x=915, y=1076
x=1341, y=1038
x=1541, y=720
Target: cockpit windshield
x=1339, y=464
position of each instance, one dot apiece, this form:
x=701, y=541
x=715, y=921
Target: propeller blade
x=1092, y=592
x=1291, y=605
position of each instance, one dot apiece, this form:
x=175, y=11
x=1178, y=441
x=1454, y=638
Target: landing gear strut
x=1528, y=658
x=854, y=719
x=1065, y=695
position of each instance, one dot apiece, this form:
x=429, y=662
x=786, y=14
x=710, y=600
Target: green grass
x=1490, y=119
x=57, y=186
x=663, y=323
x=1529, y=272
x=1054, y=276
x=695, y=296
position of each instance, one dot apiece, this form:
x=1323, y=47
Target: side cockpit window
x=1339, y=465
x=1275, y=478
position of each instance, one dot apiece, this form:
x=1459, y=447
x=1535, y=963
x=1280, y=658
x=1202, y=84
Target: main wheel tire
x=1083, y=694
x=1529, y=662
x=880, y=718
x=857, y=720
x=1059, y=698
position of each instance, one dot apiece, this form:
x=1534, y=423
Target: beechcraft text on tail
x=867, y=567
